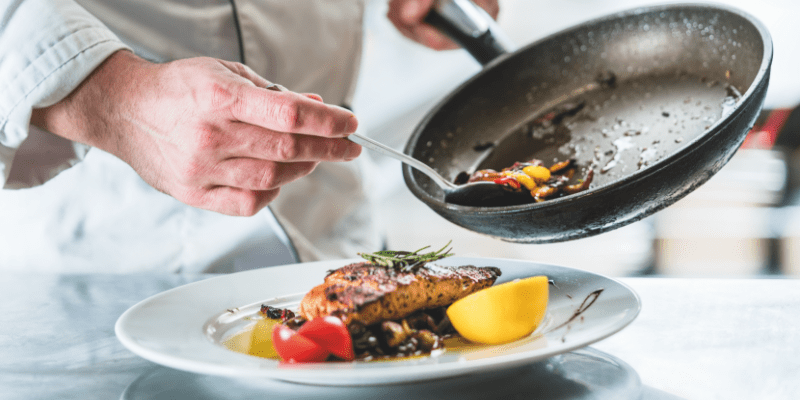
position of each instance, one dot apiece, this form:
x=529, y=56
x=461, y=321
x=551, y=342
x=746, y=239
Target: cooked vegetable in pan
x=541, y=182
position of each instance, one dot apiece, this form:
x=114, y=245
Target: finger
x=408, y=16
x=408, y=19
x=291, y=112
x=259, y=175
x=239, y=202
x=433, y=38
x=428, y=36
x=251, y=141
x=245, y=72
x=227, y=200
x=492, y=7
x=409, y=12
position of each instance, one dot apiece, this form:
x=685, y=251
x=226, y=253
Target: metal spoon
x=477, y=194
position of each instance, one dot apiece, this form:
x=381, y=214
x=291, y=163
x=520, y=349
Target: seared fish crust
x=369, y=293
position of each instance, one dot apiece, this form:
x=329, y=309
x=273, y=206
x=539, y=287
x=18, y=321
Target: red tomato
x=331, y=334
x=296, y=348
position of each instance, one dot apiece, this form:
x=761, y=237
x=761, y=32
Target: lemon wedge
x=502, y=313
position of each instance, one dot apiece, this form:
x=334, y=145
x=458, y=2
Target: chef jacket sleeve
x=47, y=48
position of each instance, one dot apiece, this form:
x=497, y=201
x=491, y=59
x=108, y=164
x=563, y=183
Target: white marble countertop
x=714, y=339
x=694, y=339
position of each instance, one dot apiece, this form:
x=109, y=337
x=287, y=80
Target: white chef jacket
x=65, y=207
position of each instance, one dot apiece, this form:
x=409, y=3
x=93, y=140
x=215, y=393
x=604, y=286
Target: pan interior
x=616, y=129
x=618, y=95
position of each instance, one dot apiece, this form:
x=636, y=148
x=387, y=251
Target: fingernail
x=352, y=124
x=353, y=152
x=314, y=96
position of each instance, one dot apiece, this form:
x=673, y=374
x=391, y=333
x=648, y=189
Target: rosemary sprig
x=406, y=260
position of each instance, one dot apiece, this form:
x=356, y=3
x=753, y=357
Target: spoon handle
x=388, y=151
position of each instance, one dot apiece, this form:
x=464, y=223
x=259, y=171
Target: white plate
x=183, y=328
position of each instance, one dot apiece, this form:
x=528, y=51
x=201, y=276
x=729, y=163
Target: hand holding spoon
x=476, y=194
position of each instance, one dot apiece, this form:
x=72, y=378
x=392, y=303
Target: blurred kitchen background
x=744, y=222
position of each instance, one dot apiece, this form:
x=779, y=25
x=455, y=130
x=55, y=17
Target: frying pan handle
x=471, y=27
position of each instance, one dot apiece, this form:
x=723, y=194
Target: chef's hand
x=202, y=130
x=408, y=15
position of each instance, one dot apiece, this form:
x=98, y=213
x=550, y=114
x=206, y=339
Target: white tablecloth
x=694, y=339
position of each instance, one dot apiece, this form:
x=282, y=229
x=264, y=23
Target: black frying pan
x=654, y=100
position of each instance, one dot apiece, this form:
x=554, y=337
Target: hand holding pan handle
x=471, y=27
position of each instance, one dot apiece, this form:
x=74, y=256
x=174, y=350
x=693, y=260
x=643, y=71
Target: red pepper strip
x=508, y=181
x=296, y=348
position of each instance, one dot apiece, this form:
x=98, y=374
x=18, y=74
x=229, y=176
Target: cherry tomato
x=331, y=334
x=296, y=348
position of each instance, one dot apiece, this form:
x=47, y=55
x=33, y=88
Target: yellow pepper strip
x=538, y=173
x=525, y=180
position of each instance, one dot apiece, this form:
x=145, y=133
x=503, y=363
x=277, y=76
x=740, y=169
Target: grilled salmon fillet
x=370, y=293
